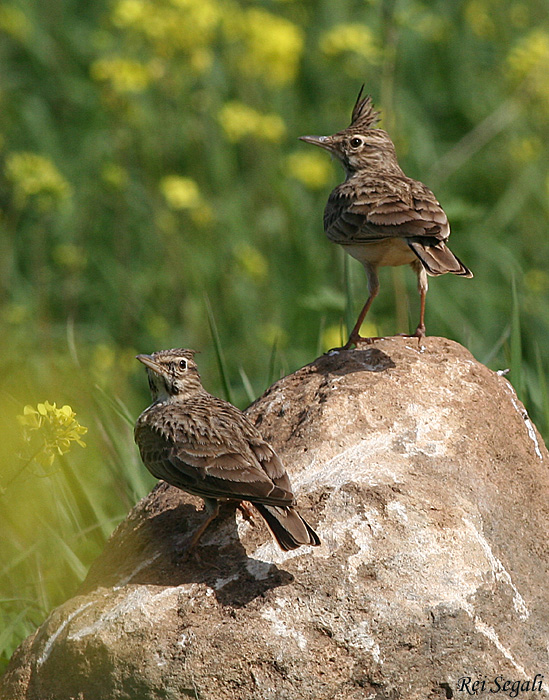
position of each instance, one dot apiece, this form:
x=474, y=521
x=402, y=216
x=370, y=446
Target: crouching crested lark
x=209, y=448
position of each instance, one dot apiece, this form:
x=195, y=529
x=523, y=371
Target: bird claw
x=357, y=340
x=247, y=512
x=419, y=333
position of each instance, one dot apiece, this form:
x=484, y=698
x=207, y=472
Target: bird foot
x=357, y=340
x=419, y=333
x=247, y=512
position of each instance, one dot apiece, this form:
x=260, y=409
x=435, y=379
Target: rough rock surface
x=428, y=486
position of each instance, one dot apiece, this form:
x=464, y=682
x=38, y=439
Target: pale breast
x=387, y=252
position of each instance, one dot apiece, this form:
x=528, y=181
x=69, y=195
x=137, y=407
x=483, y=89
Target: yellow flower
x=273, y=46
x=312, y=169
x=70, y=256
x=35, y=177
x=252, y=261
x=527, y=66
x=14, y=22
x=129, y=12
x=114, y=175
x=124, y=75
x=180, y=192
x=354, y=38
x=537, y=281
x=478, y=15
x=51, y=429
x=173, y=25
x=239, y=120
x=525, y=149
x=530, y=55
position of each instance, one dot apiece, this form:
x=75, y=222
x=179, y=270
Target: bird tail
x=288, y=527
x=437, y=259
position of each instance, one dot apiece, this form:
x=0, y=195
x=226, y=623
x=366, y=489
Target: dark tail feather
x=288, y=527
x=438, y=259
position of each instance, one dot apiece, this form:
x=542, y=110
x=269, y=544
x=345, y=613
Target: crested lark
x=379, y=215
x=206, y=446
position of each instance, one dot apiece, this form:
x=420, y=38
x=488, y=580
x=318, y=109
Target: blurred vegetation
x=153, y=194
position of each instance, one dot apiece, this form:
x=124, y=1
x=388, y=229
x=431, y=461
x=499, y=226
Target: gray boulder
x=428, y=485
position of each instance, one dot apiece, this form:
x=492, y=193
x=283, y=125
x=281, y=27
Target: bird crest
x=364, y=115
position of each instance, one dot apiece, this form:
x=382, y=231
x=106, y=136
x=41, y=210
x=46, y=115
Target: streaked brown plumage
x=206, y=446
x=379, y=215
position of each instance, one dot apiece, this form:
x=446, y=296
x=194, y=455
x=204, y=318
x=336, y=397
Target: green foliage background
x=149, y=171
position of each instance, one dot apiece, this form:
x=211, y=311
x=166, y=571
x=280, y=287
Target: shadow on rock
x=150, y=548
x=342, y=362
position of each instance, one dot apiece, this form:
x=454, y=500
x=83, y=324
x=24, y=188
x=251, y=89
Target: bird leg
x=420, y=330
x=373, y=288
x=355, y=338
x=247, y=512
x=422, y=287
x=211, y=506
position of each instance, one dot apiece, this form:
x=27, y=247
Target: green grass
x=103, y=254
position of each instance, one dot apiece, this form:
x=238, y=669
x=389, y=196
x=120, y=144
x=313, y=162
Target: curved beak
x=322, y=141
x=148, y=361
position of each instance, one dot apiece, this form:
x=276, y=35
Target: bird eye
x=183, y=364
x=356, y=141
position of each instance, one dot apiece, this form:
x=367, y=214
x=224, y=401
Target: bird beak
x=322, y=141
x=148, y=361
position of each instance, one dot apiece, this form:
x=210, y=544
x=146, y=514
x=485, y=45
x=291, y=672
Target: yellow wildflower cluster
x=35, y=177
x=351, y=38
x=239, y=120
x=311, y=168
x=14, y=22
x=252, y=262
x=273, y=46
x=171, y=26
x=180, y=192
x=51, y=430
x=527, y=63
x=123, y=75
x=265, y=45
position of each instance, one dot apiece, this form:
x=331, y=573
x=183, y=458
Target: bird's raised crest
x=364, y=114
x=177, y=352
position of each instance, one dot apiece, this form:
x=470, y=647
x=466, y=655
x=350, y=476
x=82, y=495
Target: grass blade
x=517, y=374
x=218, y=350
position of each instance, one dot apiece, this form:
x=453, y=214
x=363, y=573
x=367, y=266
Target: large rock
x=428, y=485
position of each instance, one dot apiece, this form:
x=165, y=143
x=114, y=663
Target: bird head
x=361, y=145
x=172, y=374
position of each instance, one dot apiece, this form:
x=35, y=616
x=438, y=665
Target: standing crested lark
x=379, y=215
x=206, y=446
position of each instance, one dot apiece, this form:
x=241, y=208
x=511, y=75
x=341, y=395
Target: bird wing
x=214, y=455
x=370, y=208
